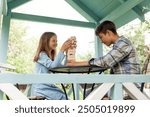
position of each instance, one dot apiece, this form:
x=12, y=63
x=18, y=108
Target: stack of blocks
x=72, y=50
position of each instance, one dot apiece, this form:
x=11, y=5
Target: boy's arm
x=118, y=53
x=82, y=63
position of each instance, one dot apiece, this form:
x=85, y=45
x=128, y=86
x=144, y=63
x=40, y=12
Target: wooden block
x=72, y=50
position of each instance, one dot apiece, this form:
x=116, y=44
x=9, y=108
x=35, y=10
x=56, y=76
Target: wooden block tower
x=72, y=50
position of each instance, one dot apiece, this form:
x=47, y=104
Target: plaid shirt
x=122, y=59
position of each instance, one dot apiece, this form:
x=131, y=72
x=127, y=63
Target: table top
x=77, y=69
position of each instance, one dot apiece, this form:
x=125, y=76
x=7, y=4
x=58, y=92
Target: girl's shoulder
x=43, y=54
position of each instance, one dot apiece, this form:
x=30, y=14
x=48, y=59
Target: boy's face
x=105, y=38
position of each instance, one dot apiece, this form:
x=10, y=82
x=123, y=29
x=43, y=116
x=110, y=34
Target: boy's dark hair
x=104, y=26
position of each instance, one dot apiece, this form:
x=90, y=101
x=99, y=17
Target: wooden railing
x=115, y=83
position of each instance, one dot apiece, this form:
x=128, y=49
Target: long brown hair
x=44, y=46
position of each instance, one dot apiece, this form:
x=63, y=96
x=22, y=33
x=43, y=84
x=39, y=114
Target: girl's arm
x=48, y=63
x=64, y=62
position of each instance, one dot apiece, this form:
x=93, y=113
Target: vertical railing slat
x=116, y=92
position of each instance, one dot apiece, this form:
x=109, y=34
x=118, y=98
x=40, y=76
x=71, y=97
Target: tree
x=136, y=35
x=85, y=56
x=20, y=50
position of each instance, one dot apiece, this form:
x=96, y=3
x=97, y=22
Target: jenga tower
x=72, y=50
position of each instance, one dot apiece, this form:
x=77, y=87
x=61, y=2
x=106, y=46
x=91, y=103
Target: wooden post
x=4, y=38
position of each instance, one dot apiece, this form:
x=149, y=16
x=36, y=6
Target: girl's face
x=53, y=42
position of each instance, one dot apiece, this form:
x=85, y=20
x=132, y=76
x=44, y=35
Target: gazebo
x=95, y=11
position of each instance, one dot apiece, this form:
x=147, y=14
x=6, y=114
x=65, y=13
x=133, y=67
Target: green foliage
x=136, y=35
x=84, y=57
x=20, y=49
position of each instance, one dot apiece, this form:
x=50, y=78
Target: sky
x=85, y=36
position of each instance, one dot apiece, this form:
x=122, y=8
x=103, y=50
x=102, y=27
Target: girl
x=45, y=59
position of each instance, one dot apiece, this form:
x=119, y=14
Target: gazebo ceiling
x=96, y=11
x=119, y=11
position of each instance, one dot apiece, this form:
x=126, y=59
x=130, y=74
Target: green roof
x=96, y=11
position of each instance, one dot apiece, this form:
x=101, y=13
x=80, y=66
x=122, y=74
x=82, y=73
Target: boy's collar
x=118, y=39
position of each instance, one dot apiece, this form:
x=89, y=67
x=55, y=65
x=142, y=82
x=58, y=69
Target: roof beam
x=15, y=3
x=83, y=10
x=136, y=10
x=44, y=19
x=122, y=9
x=139, y=13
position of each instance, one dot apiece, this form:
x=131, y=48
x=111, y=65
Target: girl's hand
x=66, y=45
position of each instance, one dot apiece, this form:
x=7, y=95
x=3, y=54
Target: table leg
x=84, y=92
x=64, y=91
x=71, y=90
x=76, y=89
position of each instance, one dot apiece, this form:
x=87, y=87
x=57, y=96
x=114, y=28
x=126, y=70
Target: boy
x=122, y=59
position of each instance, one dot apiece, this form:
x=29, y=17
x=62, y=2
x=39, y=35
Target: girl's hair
x=44, y=46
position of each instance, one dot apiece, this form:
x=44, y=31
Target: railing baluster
x=116, y=92
x=76, y=90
